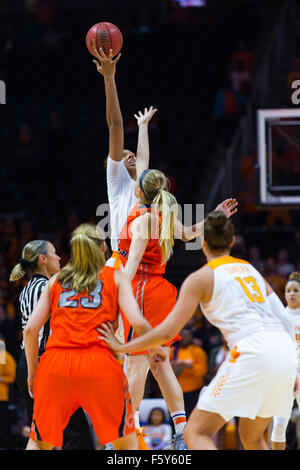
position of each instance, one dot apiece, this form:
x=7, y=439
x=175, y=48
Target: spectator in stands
x=294, y=247
x=255, y=258
x=158, y=432
x=7, y=331
x=227, y=108
x=272, y=277
x=44, y=12
x=190, y=366
x=51, y=40
x=239, y=249
x=241, y=79
x=205, y=335
x=7, y=377
x=245, y=56
x=284, y=267
x=278, y=217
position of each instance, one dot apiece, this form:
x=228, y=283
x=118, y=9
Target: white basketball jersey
x=239, y=304
x=121, y=198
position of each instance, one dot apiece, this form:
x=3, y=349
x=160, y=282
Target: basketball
x=107, y=36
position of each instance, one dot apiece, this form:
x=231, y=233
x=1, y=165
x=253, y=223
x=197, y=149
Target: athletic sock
x=137, y=420
x=179, y=420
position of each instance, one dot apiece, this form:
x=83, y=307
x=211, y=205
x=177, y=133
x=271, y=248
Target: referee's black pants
x=77, y=435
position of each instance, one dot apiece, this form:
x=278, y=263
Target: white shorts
x=255, y=380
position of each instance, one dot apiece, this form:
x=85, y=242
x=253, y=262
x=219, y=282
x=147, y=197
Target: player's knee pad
x=279, y=429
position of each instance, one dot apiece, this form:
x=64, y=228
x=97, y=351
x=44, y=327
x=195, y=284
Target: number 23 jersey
x=75, y=316
x=239, y=305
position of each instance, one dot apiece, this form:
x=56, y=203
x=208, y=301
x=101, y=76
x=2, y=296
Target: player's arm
x=187, y=233
x=278, y=309
x=143, y=151
x=195, y=289
x=140, y=229
x=106, y=66
x=37, y=320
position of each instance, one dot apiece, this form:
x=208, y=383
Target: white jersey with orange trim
x=121, y=197
x=239, y=305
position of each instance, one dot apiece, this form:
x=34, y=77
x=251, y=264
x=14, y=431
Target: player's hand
x=108, y=336
x=157, y=355
x=30, y=382
x=145, y=118
x=106, y=65
x=229, y=206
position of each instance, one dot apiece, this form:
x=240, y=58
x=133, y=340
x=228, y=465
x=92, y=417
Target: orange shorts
x=156, y=298
x=89, y=378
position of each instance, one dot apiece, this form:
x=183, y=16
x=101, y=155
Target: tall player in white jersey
x=261, y=367
x=292, y=297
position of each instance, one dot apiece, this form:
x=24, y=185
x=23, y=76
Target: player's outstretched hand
x=145, y=118
x=229, y=206
x=106, y=65
x=107, y=335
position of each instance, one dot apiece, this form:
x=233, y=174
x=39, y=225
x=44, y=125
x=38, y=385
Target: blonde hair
x=30, y=259
x=82, y=271
x=295, y=276
x=154, y=184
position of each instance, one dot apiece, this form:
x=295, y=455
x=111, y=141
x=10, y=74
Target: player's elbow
x=167, y=333
x=30, y=331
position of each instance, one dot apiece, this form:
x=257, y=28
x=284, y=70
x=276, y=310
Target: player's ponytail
x=87, y=258
x=29, y=260
x=154, y=185
x=218, y=231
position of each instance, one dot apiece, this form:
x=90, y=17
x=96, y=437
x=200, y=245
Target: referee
x=39, y=261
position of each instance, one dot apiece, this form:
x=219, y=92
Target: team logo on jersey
x=123, y=253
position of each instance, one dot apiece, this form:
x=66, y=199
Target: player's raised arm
x=106, y=66
x=187, y=233
x=143, y=151
x=141, y=231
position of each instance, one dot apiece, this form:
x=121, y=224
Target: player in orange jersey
x=76, y=370
x=145, y=246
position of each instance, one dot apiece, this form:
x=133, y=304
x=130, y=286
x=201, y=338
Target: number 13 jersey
x=239, y=305
x=75, y=316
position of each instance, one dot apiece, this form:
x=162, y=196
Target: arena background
x=187, y=62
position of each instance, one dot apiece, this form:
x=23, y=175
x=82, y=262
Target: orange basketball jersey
x=152, y=257
x=75, y=315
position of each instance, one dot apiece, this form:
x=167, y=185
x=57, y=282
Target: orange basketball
x=107, y=36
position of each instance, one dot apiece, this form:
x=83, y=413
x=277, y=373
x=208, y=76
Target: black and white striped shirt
x=28, y=300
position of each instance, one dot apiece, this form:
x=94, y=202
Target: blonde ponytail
x=82, y=271
x=154, y=184
x=28, y=263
